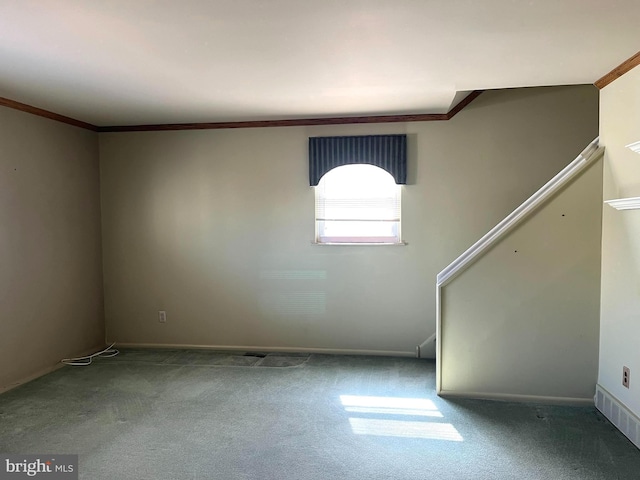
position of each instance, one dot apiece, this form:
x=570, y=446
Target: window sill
x=363, y=244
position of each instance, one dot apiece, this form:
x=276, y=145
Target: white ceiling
x=124, y=62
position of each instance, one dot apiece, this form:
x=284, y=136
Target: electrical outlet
x=626, y=373
x=162, y=316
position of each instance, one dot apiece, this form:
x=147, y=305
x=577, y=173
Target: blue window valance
x=385, y=151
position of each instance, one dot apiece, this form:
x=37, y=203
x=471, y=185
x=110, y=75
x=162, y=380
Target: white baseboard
x=618, y=414
x=507, y=397
x=255, y=348
x=39, y=373
x=45, y=371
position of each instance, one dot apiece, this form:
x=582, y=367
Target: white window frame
x=390, y=212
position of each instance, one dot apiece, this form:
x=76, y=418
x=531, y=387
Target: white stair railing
x=463, y=261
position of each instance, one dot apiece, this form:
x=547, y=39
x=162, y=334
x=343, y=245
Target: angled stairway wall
x=522, y=321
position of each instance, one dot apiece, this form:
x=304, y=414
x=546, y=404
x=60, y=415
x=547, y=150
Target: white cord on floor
x=84, y=361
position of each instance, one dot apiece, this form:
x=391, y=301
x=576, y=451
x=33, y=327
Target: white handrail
x=590, y=153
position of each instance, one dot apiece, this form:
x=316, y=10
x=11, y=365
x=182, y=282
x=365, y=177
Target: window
x=358, y=182
x=358, y=204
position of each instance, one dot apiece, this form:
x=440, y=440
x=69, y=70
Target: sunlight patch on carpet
x=397, y=428
x=390, y=405
x=392, y=427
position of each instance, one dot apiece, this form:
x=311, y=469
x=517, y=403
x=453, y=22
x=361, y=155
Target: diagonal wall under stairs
x=522, y=321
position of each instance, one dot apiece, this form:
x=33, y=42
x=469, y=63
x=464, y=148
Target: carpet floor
x=177, y=414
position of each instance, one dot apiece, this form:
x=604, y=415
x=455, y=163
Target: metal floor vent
x=277, y=359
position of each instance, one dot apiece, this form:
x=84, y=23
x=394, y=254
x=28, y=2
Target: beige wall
x=51, y=271
x=620, y=310
x=215, y=227
x=524, y=319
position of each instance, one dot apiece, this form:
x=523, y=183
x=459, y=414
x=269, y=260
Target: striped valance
x=385, y=151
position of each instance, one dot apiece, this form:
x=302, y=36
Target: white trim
x=618, y=414
x=508, y=397
x=635, y=147
x=361, y=244
x=631, y=203
x=425, y=344
x=588, y=155
x=45, y=371
x=38, y=374
x=438, y=339
x=258, y=348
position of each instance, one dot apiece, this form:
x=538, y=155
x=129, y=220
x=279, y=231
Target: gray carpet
x=170, y=414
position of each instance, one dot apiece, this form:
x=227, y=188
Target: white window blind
x=358, y=204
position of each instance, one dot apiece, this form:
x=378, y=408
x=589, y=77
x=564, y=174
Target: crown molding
x=23, y=107
x=425, y=117
x=301, y=122
x=463, y=103
x=619, y=71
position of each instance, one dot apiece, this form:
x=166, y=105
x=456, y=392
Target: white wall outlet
x=626, y=373
x=162, y=316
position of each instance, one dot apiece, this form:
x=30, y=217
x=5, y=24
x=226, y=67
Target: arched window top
x=357, y=180
x=388, y=152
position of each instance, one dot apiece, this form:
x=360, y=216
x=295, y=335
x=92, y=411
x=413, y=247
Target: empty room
x=310, y=240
